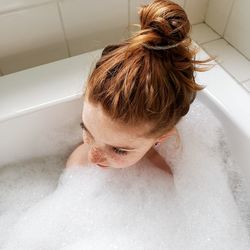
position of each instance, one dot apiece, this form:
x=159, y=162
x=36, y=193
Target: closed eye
x=119, y=151
x=84, y=128
x=115, y=149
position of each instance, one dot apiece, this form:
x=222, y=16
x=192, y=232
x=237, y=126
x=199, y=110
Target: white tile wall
x=231, y=60
x=35, y=32
x=238, y=28
x=202, y=33
x=218, y=13
x=196, y=10
x=227, y=56
x=7, y=5
x=31, y=37
x=135, y=6
x=180, y=2
x=91, y=25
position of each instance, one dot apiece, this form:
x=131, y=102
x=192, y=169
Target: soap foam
x=140, y=207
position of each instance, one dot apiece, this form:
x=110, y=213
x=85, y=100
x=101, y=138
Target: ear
x=166, y=135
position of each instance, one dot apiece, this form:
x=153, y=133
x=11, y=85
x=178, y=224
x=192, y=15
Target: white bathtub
x=40, y=110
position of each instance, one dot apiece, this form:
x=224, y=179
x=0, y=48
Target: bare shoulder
x=78, y=157
x=158, y=160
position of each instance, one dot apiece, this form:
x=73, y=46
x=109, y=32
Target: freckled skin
x=105, y=132
x=117, y=159
x=95, y=155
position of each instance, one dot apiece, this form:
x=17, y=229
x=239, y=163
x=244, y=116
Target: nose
x=96, y=155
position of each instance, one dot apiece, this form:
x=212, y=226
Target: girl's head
x=141, y=87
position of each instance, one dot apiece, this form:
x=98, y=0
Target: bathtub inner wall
x=53, y=130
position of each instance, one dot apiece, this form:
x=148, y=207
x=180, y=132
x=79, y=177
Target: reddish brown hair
x=148, y=78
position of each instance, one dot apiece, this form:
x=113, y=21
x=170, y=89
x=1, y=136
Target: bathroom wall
x=225, y=34
x=35, y=32
x=230, y=18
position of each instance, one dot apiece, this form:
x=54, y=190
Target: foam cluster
x=140, y=207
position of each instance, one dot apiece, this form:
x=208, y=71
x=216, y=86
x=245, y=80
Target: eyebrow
x=126, y=147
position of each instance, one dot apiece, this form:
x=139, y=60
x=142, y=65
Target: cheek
x=116, y=158
x=128, y=160
x=119, y=160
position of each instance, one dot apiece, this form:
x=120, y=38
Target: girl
x=138, y=91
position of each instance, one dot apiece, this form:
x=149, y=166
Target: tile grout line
x=212, y=30
x=228, y=17
x=213, y=40
x=222, y=37
x=63, y=28
x=237, y=49
x=129, y=17
x=207, y=6
x=245, y=81
x=221, y=65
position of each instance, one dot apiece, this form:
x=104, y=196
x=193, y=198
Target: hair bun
x=166, y=21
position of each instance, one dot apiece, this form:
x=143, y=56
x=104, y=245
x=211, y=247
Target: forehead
x=102, y=126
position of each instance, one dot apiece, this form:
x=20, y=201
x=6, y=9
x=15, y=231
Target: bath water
x=45, y=206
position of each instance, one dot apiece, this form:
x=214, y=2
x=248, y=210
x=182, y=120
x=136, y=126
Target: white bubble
x=140, y=207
